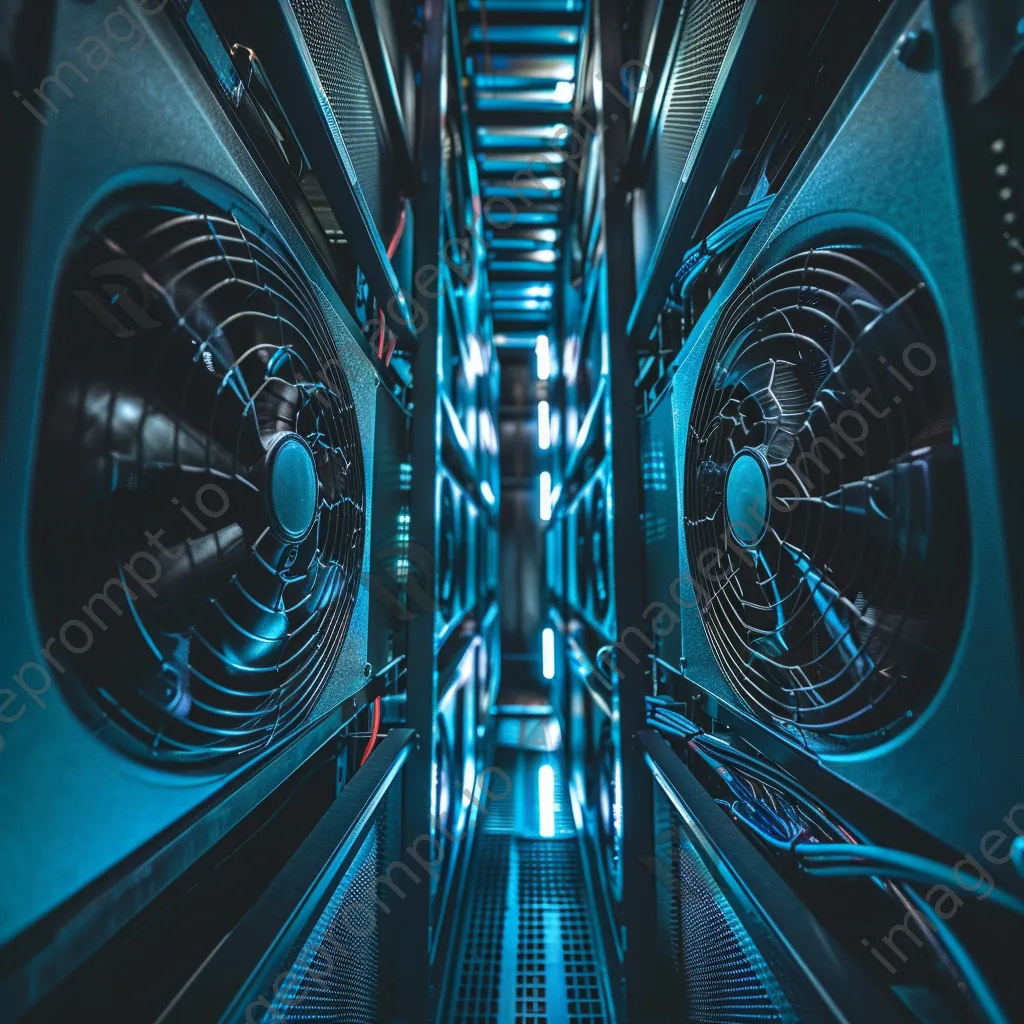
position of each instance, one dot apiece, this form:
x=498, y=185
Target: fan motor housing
x=292, y=487
x=746, y=497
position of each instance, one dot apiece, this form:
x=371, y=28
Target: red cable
x=397, y=237
x=380, y=341
x=374, y=731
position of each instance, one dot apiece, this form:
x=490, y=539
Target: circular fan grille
x=824, y=509
x=449, y=799
x=444, y=792
x=201, y=476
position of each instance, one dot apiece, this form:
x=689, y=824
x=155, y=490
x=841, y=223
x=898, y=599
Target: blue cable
x=987, y=1001
x=727, y=234
x=835, y=860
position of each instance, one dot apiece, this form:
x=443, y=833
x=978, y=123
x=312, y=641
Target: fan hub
x=746, y=498
x=291, y=487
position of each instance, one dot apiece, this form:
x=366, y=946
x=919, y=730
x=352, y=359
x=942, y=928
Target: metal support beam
x=426, y=454
x=637, y=798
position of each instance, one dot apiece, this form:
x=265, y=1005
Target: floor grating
x=528, y=953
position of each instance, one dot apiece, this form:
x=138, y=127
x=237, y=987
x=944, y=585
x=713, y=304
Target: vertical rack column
x=638, y=884
x=426, y=447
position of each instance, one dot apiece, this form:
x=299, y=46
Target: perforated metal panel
x=708, y=28
x=558, y=975
x=478, y=984
x=335, y=975
x=334, y=46
x=528, y=952
x=721, y=976
x=725, y=978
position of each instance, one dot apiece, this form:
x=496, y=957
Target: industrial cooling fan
x=200, y=474
x=446, y=792
x=824, y=495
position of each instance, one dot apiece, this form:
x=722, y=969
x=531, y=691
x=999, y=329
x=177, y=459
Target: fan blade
x=774, y=407
x=706, y=497
x=277, y=404
x=324, y=586
x=789, y=401
x=111, y=435
x=837, y=614
x=247, y=628
x=770, y=645
x=881, y=532
x=192, y=575
x=336, y=472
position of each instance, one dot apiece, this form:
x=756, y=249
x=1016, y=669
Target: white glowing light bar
x=543, y=425
x=546, y=800
x=543, y=357
x=548, y=652
x=545, y=496
x=564, y=92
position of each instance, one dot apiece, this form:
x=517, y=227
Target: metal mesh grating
x=707, y=32
x=558, y=972
x=528, y=954
x=724, y=979
x=335, y=976
x=334, y=46
x=500, y=816
x=478, y=986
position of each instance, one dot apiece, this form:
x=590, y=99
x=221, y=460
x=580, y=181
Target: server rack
x=453, y=651
x=318, y=105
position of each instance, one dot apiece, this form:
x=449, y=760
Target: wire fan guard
x=824, y=495
x=198, y=422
